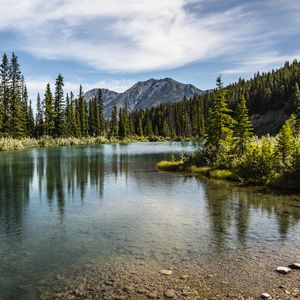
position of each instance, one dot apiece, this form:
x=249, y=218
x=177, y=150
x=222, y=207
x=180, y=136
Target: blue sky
x=115, y=43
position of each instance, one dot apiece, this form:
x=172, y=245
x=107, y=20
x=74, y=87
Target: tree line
x=66, y=115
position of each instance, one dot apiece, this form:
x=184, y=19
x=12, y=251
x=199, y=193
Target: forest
x=66, y=115
x=220, y=118
x=230, y=149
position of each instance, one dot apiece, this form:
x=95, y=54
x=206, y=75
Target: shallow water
x=69, y=206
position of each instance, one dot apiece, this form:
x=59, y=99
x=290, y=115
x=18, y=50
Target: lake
x=62, y=209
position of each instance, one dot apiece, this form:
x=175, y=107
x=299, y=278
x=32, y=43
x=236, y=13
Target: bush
x=259, y=163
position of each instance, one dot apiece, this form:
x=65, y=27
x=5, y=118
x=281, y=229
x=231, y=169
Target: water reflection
x=231, y=208
x=64, y=173
x=65, y=205
x=16, y=174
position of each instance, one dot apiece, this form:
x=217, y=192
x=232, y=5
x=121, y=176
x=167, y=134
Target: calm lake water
x=67, y=206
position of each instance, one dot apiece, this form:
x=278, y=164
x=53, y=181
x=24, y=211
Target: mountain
x=146, y=94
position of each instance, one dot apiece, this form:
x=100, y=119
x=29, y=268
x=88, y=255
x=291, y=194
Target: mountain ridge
x=145, y=94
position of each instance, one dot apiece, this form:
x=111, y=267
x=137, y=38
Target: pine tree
x=83, y=113
x=18, y=111
x=5, y=96
x=39, y=117
x=30, y=125
x=114, y=123
x=100, y=110
x=285, y=143
x=140, y=131
x=49, y=111
x=74, y=119
x=220, y=122
x=59, y=107
x=244, y=127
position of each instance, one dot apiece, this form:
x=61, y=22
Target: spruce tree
x=5, y=95
x=59, y=107
x=114, y=123
x=31, y=121
x=49, y=111
x=100, y=110
x=18, y=111
x=74, y=119
x=83, y=113
x=39, y=117
x=285, y=143
x=244, y=127
x=220, y=121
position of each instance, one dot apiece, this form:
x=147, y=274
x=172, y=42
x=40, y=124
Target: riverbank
x=10, y=144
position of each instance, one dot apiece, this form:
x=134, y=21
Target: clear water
x=67, y=206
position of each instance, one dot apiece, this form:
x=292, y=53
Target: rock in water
x=265, y=296
x=295, y=266
x=166, y=272
x=170, y=293
x=283, y=270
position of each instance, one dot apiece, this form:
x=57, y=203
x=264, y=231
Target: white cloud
x=36, y=86
x=128, y=36
x=264, y=63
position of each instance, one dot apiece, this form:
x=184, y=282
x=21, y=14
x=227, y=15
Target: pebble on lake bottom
x=166, y=272
x=295, y=266
x=283, y=270
x=265, y=296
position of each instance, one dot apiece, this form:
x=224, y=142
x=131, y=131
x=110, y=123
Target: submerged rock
x=170, y=293
x=283, y=270
x=166, y=272
x=153, y=295
x=295, y=266
x=265, y=296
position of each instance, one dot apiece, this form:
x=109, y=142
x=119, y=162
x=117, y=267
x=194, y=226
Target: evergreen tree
x=285, y=143
x=5, y=95
x=74, y=117
x=39, y=117
x=59, y=107
x=18, y=111
x=114, y=123
x=83, y=113
x=100, y=110
x=244, y=127
x=31, y=123
x=220, y=122
x=49, y=112
x=140, y=131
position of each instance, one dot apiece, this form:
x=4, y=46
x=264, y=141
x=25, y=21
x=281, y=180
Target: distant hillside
x=146, y=94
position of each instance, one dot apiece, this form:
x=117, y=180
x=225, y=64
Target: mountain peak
x=147, y=93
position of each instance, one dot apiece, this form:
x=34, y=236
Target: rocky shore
x=136, y=279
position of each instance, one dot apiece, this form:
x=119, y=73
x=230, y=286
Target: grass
x=179, y=166
x=170, y=165
x=10, y=144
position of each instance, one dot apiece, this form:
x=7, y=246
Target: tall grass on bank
x=9, y=144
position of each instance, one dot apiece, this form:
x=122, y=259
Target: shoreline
x=227, y=175
x=11, y=144
x=204, y=278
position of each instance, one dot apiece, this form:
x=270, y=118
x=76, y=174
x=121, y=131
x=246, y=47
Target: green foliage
x=170, y=165
x=48, y=107
x=244, y=128
x=285, y=144
x=59, y=108
x=258, y=163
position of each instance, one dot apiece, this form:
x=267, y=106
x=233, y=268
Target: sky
x=115, y=43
